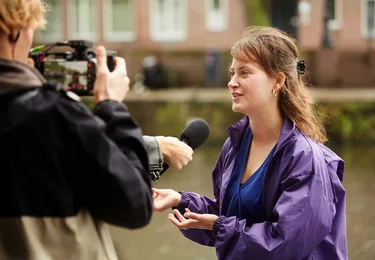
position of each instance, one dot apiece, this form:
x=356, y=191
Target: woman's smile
x=236, y=96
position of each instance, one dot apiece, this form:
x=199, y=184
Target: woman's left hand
x=192, y=220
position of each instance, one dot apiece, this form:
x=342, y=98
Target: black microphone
x=194, y=135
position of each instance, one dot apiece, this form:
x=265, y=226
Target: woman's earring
x=274, y=93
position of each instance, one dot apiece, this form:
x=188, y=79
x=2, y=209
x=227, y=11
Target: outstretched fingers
x=191, y=215
x=180, y=221
x=179, y=215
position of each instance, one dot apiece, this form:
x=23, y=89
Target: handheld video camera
x=75, y=70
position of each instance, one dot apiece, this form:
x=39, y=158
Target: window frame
x=158, y=36
x=337, y=22
x=85, y=35
x=225, y=9
x=120, y=36
x=364, y=17
x=53, y=36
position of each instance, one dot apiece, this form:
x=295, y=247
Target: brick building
x=179, y=32
x=343, y=54
x=336, y=36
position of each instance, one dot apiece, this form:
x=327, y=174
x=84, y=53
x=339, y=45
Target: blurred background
x=177, y=54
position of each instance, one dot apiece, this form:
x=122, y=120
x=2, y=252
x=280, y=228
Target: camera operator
x=63, y=169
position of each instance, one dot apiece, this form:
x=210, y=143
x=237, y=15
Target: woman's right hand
x=165, y=199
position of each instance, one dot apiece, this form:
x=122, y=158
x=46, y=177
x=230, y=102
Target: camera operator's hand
x=110, y=85
x=175, y=153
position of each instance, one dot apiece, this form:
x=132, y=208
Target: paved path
x=222, y=95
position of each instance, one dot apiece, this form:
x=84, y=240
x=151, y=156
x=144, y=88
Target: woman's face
x=251, y=88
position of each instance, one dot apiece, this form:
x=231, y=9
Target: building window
x=168, y=20
x=216, y=15
x=83, y=19
x=118, y=22
x=334, y=13
x=368, y=20
x=304, y=12
x=54, y=28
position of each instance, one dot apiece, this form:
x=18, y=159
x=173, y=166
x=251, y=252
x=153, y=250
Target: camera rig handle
x=80, y=47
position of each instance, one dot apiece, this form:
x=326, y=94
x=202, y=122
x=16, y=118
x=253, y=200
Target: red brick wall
x=348, y=38
x=342, y=69
x=186, y=56
x=198, y=38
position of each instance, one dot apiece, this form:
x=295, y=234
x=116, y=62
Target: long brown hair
x=275, y=51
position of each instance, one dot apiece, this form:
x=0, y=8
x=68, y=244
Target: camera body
x=75, y=70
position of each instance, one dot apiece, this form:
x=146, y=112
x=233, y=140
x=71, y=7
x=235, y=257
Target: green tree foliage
x=257, y=13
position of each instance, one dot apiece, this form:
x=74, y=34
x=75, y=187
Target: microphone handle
x=165, y=167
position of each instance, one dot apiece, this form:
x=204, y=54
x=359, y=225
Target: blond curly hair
x=17, y=14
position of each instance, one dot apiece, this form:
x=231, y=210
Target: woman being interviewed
x=278, y=191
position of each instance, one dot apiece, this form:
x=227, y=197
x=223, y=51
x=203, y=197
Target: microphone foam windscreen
x=195, y=133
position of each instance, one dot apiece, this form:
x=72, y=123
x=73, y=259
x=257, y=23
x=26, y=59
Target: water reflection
x=161, y=240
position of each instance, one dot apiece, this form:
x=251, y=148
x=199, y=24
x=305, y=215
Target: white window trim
x=208, y=5
x=304, y=12
x=108, y=34
x=53, y=36
x=93, y=36
x=365, y=32
x=171, y=37
x=337, y=22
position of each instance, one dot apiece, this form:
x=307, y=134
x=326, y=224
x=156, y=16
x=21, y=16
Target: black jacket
x=63, y=169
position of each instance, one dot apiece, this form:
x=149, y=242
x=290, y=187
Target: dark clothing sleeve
x=155, y=156
x=116, y=183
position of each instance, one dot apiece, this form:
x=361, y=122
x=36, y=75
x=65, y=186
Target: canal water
x=161, y=240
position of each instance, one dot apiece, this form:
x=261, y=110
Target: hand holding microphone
x=175, y=153
x=194, y=135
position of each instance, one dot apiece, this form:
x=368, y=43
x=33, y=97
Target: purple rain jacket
x=303, y=203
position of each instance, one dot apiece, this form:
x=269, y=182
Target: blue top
x=244, y=200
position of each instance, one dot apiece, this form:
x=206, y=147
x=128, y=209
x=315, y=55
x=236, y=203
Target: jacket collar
x=288, y=131
x=16, y=76
x=236, y=131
